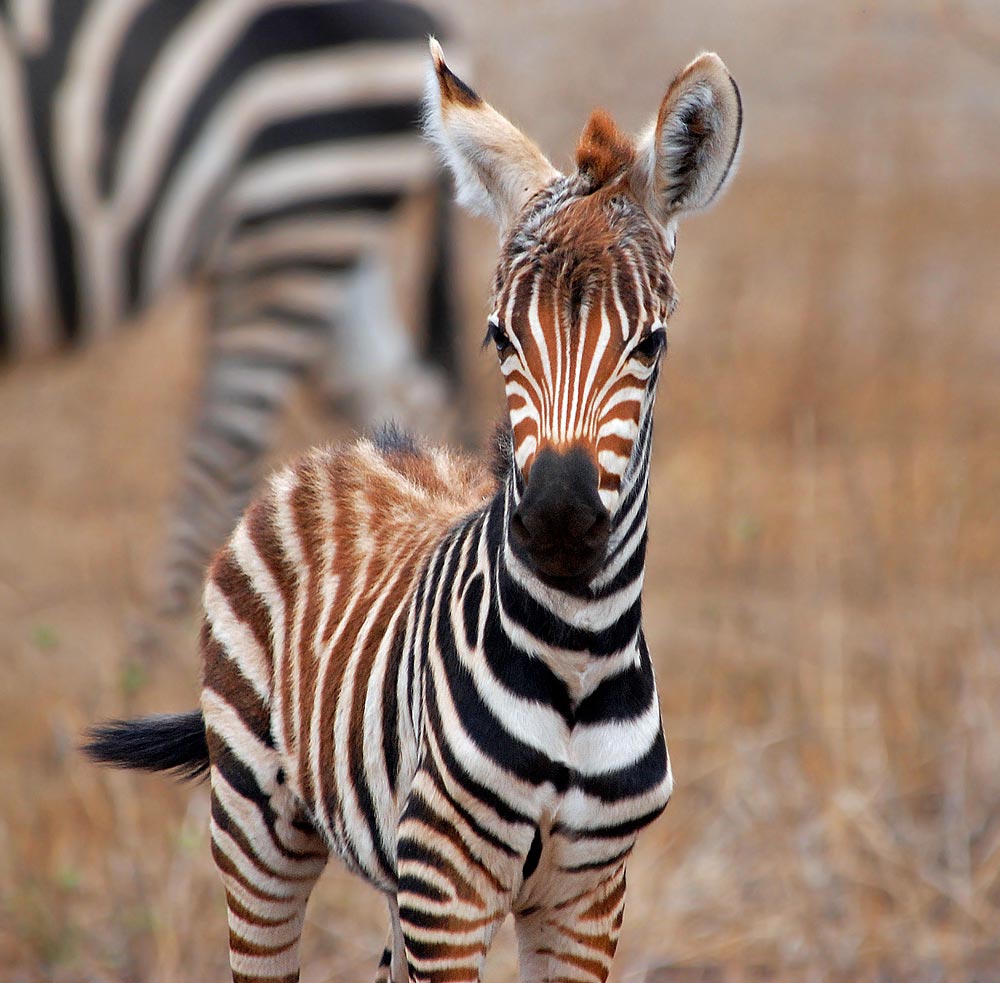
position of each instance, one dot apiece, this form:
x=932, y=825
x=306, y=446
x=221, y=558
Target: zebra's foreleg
x=575, y=939
x=453, y=894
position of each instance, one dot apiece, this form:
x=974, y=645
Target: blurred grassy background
x=823, y=581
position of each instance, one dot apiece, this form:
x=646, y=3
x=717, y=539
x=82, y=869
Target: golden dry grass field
x=823, y=590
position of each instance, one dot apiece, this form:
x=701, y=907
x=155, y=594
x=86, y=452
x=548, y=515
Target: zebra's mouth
x=564, y=568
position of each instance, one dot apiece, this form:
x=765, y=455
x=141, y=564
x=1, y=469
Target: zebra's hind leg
x=374, y=376
x=267, y=852
x=253, y=363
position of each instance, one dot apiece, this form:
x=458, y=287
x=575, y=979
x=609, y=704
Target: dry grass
x=823, y=582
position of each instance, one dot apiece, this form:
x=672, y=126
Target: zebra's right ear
x=497, y=168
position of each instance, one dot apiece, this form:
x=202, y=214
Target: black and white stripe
x=262, y=148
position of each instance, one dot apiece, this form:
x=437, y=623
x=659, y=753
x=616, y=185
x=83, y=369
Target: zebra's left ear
x=497, y=168
x=686, y=156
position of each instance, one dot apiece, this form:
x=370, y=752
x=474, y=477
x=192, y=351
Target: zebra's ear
x=689, y=151
x=496, y=167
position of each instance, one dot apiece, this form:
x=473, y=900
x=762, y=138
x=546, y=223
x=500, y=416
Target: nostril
x=597, y=535
x=519, y=531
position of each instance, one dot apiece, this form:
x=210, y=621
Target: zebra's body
x=459, y=697
x=262, y=148
x=440, y=674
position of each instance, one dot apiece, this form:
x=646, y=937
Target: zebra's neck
x=586, y=632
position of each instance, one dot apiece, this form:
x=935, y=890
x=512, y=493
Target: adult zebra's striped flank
x=437, y=671
x=262, y=148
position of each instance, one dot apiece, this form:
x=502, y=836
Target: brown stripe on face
x=597, y=264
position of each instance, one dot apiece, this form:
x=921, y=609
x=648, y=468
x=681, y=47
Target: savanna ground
x=822, y=594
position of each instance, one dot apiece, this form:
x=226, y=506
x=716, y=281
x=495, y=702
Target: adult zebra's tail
x=165, y=742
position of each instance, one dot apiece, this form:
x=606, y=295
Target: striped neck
x=599, y=620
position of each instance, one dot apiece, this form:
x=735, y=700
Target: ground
x=822, y=593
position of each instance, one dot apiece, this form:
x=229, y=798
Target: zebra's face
x=581, y=300
x=583, y=291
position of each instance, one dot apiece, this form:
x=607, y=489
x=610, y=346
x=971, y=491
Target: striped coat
x=262, y=148
x=438, y=672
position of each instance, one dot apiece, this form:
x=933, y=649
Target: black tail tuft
x=168, y=742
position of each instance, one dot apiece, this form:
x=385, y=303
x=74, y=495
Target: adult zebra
x=438, y=674
x=261, y=147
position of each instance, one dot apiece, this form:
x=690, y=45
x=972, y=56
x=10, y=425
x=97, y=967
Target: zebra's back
x=143, y=142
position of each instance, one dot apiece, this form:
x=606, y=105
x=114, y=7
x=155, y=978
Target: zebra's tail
x=172, y=742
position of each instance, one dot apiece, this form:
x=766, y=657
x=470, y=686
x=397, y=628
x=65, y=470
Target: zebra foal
x=436, y=672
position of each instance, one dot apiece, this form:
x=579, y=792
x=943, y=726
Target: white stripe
x=341, y=236
x=367, y=73
x=28, y=264
x=238, y=641
x=32, y=20
x=222, y=718
x=98, y=226
x=613, y=745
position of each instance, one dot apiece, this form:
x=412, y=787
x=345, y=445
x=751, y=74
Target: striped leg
x=451, y=902
x=269, y=857
x=253, y=365
x=573, y=942
x=392, y=965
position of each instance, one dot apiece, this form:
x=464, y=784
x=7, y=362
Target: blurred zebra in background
x=261, y=148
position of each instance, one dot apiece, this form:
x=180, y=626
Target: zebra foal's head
x=583, y=291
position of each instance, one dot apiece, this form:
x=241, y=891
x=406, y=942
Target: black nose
x=561, y=527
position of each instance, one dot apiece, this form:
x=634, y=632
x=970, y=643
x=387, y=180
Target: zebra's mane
x=390, y=438
x=502, y=458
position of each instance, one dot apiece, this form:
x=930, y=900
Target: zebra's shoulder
x=437, y=473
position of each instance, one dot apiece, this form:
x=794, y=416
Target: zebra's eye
x=499, y=337
x=651, y=346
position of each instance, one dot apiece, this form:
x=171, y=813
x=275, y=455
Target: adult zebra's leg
x=575, y=939
x=253, y=364
x=373, y=370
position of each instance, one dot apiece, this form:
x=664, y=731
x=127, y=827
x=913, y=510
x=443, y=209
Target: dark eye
x=651, y=345
x=499, y=337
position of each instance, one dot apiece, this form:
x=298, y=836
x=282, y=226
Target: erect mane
x=603, y=151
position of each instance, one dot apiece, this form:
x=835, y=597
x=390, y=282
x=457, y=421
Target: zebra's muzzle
x=561, y=527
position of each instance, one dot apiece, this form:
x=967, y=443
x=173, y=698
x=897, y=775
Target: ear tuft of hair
x=453, y=89
x=603, y=151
